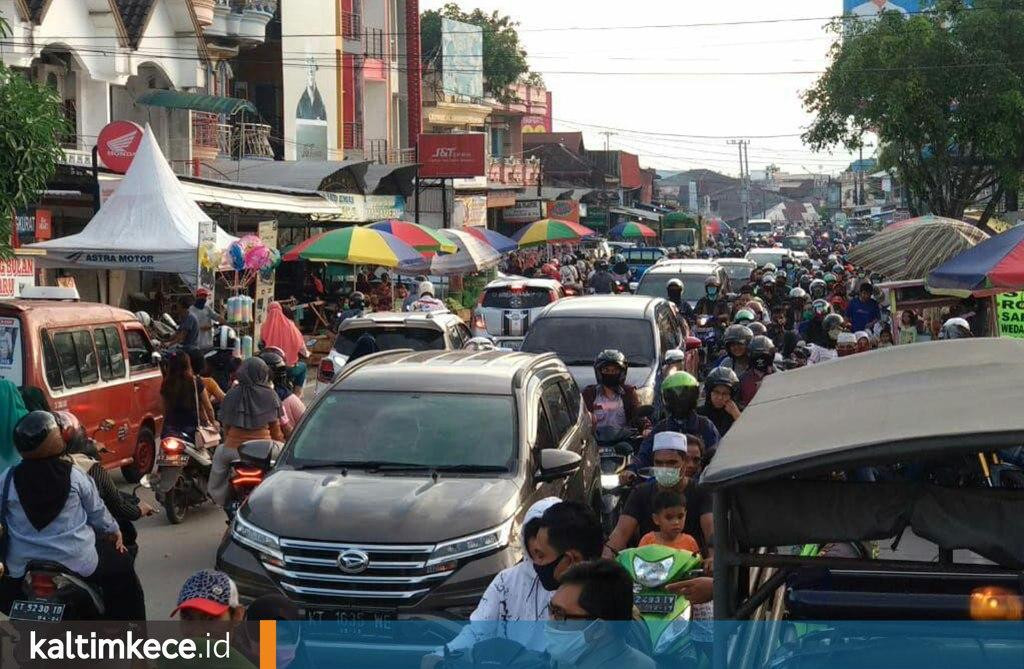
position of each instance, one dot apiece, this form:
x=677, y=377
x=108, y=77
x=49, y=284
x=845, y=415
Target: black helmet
x=601, y=264
x=818, y=289
x=762, y=353
x=722, y=376
x=737, y=334
x=758, y=329
x=274, y=360
x=357, y=299
x=679, y=393
x=611, y=357
x=35, y=429
x=832, y=322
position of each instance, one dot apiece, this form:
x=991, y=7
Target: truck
x=759, y=229
x=682, y=229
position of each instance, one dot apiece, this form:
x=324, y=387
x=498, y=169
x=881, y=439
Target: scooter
x=666, y=614
x=255, y=460
x=709, y=332
x=182, y=475
x=615, y=446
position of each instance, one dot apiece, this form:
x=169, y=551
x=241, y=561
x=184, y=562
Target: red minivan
x=93, y=360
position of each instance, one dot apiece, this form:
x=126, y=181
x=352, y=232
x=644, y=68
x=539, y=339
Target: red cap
x=209, y=607
x=202, y=292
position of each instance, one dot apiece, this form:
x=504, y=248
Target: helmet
x=674, y=283
x=780, y=278
x=762, y=353
x=832, y=322
x=675, y=356
x=830, y=279
x=722, y=376
x=479, y=344
x=768, y=279
x=838, y=269
x=769, y=267
x=611, y=357
x=144, y=318
x=225, y=338
x=425, y=288
x=679, y=393
x=758, y=329
x=618, y=258
x=798, y=294
x=69, y=425
x=273, y=359
x=821, y=307
x=601, y=264
x=737, y=334
x=817, y=289
x=36, y=429
x=801, y=350
x=357, y=299
x=955, y=328
x=744, y=315
x=712, y=281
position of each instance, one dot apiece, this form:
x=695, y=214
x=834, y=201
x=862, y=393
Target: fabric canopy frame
x=213, y=104
x=911, y=249
x=994, y=266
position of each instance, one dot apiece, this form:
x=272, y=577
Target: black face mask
x=761, y=363
x=546, y=573
x=610, y=380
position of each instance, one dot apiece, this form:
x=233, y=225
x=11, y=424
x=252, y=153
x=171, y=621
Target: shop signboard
x=117, y=143
x=462, y=72
x=523, y=212
x=365, y=208
x=16, y=273
x=470, y=211
x=1010, y=314
x=267, y=232
x=460, y=156
x=564, y=210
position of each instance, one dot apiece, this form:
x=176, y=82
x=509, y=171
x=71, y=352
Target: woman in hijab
x=250, y=410
x=280, y=332
x=12, y=408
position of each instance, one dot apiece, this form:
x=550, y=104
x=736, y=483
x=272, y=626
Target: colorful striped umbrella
x=358, y=246
x=550, y=231
x=632, y=230
x=500, y=242
x=910, y=250
x=420, y=237
x=473, y=255
x=994, y=266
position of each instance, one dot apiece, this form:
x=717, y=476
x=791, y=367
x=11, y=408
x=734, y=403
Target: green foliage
x=31, y=124
x=943, y=91
x=504, y=58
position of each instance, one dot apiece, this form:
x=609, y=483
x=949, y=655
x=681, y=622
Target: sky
x=643, y=66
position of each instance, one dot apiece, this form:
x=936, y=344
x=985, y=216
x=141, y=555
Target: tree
x=31, y=124
x=944, y=92
x=504, y=58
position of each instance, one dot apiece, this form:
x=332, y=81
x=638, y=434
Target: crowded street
x=373, y=334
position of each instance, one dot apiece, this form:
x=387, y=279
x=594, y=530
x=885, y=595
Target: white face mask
x=565, y=646
x=666, y=476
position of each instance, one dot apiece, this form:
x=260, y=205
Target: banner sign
x=1010, y=314
x=206, y=277
x=264, y=286
x=117, y=144
x=470, y=210
x=15, y=274
x=10, y=350
x=564, y=210
x=459, y=156
x=365, y=208
x=870, y=9
x=523, y=212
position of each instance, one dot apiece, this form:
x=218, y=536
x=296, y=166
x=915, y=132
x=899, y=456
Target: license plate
x=358, y=625
x=46, y=612
x=606, y=451
x=171, y=460
x=663, y=604
x=511, y=344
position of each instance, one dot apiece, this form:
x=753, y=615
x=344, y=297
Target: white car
x=763, y=256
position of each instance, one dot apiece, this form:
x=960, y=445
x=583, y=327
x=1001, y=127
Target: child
x=670, y=516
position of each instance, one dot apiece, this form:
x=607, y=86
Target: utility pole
x=607, y=138
x=860, y=177
x=744, y=177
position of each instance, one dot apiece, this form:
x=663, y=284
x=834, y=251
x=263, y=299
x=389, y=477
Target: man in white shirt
x=874, y=8
x=204, y=313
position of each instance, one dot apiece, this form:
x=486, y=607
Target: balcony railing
x=353, y=136
x=211, y=138
x=351, y=25
x=514, y=171
x=381, y=154
x=375, y=44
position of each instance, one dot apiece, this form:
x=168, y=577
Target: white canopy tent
x=150, y=224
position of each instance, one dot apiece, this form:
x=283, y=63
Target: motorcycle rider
x=824, y=350
x=818, y=290
x=762, y=363
x=813, y=329
x=620, y=269
x=955, y=328
x=427, y=301
x=712, y=304
x=54, y=513
x=737, y=338
x=721, y=387
x=611, y=401
x=680, y=393
x=674, y=293
x=356, y=309
x=601, y=282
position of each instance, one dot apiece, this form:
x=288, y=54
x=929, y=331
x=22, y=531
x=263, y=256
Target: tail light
x=246, y=477
x=172, y=445
x=994, y=603
x=478, y=321
x=325, y=374
x=42, y=584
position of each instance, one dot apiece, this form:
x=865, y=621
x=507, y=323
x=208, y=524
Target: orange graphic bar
x=268, y=644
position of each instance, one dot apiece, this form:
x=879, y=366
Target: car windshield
x=643, y=256
x=390, y=338
x=759, y=228
x=654, y=285
x=577, y=341
x=516, y=298
x=398, y=429
x=739, y=273
x=762, y=258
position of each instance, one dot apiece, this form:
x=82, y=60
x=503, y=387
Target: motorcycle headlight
x=652, y=574
x=249, y=535
x=609, y=481
x=484, y=542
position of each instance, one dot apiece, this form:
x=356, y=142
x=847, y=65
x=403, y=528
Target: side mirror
x=262, y=453
x=310, y=343
x=633, y=285
x=557, y=464
x=692, y=343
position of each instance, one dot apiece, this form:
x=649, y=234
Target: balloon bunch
x=210, y=257
x=250, y=255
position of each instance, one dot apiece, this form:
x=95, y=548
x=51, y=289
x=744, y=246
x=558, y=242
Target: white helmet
x=479, y=344
x=144, y=318
x=226, y=338
x=425, y=288
x=955, y=328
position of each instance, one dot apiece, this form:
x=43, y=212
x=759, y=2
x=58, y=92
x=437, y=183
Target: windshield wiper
x=471, y=468
x=360, y=464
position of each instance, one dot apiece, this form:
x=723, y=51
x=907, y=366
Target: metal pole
x=724, y=573
x=95, y=180
x=444, y=203
x=860, y=179
x=416, y=159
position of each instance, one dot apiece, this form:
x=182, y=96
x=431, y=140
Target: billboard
x=872, y=8
x=461, y=156
x=312, y=99
x=564, y=210
x=462, y=50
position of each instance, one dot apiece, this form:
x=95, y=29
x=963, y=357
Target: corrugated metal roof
x=310, y=175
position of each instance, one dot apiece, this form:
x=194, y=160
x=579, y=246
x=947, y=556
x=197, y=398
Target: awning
x=639, y=213
x=213, y=104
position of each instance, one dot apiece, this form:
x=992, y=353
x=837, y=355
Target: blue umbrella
x=994, y=266
x=500, y=242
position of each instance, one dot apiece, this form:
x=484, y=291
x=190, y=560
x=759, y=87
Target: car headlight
x=652, y=574
x=484, y=542
x=249, y=535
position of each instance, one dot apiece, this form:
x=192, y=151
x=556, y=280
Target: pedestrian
x=863, y=310
x=280, y=332
x=187, y=335
x=208, y=605
x=908, y=327
x=205, y=315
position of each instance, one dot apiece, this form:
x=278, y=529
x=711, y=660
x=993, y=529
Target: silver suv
x=507, y=307
x=434, y=331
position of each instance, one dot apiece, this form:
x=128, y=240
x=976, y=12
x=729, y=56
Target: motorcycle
x=255, y=459
x=182, y=475
x=615, y=447
x=666, y=615
x=708, y=331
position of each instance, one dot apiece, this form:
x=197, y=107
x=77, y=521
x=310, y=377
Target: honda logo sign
x=459, y=156
x=117, y=144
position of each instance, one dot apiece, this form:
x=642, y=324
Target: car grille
x=397, y=575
